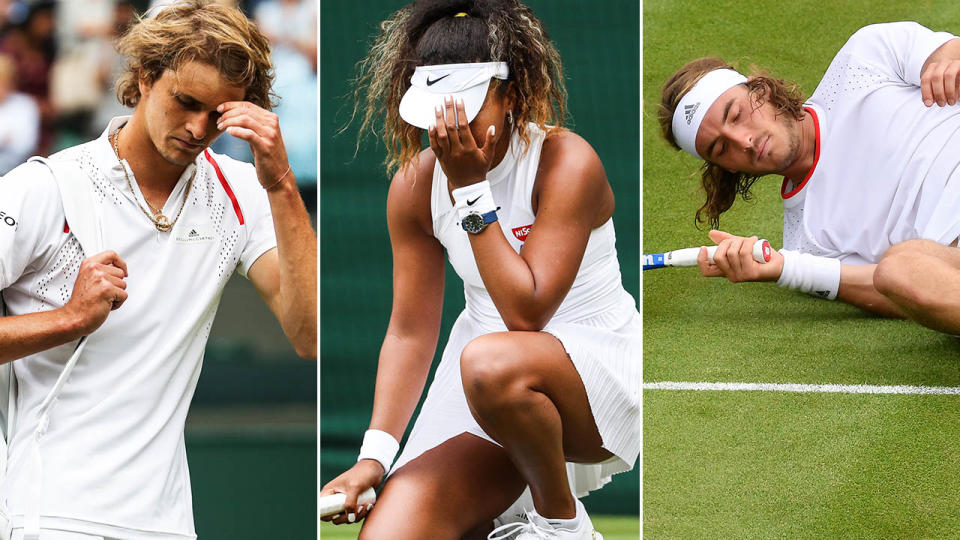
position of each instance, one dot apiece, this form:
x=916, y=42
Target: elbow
x=307, y=351
x=305, y=343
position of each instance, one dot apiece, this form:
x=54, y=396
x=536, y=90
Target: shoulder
x=227, y=165
x=238, y=176
x=410, y=189
x=568, y=159
x=33, y=178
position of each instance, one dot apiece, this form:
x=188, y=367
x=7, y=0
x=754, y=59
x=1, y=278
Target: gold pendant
x=162, y=222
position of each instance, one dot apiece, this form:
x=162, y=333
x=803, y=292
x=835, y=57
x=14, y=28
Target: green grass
x=759, y=465
x=612, y=528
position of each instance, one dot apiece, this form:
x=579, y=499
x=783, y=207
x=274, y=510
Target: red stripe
x=816, y=158
x=66, y=227
x=226, y=186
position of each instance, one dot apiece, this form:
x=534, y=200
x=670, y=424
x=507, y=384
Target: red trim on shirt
x=816, y=158
x=226, y=186
x=66, y=227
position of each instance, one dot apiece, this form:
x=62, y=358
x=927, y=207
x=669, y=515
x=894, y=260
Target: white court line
x=803, y=388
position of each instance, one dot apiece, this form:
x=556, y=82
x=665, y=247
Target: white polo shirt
x=886, y=166
x=113, y=457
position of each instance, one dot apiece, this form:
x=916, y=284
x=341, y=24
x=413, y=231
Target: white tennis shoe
x=536, y=527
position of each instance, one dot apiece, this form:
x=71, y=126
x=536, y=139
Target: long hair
x=722, y=186
x=427, y=32
x=201, y=31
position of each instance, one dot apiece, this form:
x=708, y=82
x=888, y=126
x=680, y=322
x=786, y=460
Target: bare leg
x=455, y=489
x=923, y=279
x=525, y=392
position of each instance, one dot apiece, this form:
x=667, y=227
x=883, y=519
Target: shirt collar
x=106, y=159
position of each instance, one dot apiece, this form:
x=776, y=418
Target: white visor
x=694, y=105
x=431, y=84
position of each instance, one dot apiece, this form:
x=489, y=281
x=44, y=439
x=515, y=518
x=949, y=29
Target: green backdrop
x=600, y=49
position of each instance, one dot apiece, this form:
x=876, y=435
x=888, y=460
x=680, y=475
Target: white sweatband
x=379, y=446
x=818, y=276
x=474, y=198
x=695, y=103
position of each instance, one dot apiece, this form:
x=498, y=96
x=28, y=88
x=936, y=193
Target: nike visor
x=431, y=84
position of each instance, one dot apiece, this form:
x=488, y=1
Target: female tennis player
x=539, y=384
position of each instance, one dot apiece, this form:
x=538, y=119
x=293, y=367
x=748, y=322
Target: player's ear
x=144, y=82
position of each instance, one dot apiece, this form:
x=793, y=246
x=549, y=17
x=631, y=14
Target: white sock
x=568, y=524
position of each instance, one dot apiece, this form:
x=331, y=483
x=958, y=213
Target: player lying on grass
x=171, y=221
x=871, y=169
x=543, y=365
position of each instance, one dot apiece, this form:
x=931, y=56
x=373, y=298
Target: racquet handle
x=688, y=256
x=761, y=251
x=331, y=505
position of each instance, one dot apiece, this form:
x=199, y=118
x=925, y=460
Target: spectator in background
x=291, y=27
x=84, y=29
x=32, y=47
x=111, y=67
x=19, y=119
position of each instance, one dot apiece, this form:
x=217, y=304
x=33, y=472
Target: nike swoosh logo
x=470, y=203
x=431, y=83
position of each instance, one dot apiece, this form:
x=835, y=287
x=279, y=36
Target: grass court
x=760, y=464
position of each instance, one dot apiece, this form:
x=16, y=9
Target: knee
x=490, y=369
x=917, y=246
x=896, y=275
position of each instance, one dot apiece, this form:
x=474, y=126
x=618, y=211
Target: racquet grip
x=331, y=505
x=761, y=251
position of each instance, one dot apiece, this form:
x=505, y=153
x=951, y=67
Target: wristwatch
x=475, y=222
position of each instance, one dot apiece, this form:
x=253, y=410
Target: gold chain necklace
x=160, y=221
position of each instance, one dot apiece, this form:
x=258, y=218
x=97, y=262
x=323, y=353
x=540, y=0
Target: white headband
x=694, y=105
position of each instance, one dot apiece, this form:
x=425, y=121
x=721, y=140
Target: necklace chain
x=160, y=221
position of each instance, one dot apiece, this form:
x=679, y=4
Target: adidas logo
x=193, y=233
x=822, y=294
x=689, y=111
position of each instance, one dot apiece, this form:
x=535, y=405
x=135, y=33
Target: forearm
x=297, y=255
x=856, y=288
x=401, y=375
x=23, y=335
x=511, y=282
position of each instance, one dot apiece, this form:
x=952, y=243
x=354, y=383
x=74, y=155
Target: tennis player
x=542, y=367
x=103, y=456
x=871, y=181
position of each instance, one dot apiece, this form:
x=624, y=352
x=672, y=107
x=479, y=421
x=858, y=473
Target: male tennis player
x=102, y=456
x=871, y=185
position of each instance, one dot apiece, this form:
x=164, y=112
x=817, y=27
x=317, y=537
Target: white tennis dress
x=597, y=323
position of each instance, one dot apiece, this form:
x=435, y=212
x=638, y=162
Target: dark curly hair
x=722, y=186
x=428, y=32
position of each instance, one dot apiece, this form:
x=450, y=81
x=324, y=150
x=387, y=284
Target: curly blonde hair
x=197, y=31
x=429, y=32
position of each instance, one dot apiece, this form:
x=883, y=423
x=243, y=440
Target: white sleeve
x=31, y=220
x=261, y=236
x=898, y=49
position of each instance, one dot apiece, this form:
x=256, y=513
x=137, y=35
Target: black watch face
x=473, y=223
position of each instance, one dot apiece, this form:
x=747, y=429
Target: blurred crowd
x=58, y=66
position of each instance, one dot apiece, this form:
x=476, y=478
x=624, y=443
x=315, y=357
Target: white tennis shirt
x=114, y=462
x=886, y=165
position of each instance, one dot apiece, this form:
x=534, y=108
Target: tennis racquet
x=331, y=505
x=688, y=256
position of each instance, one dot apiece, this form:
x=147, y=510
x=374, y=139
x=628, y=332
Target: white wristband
x=474, y=198
x=379, y=446
x=817, y=276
